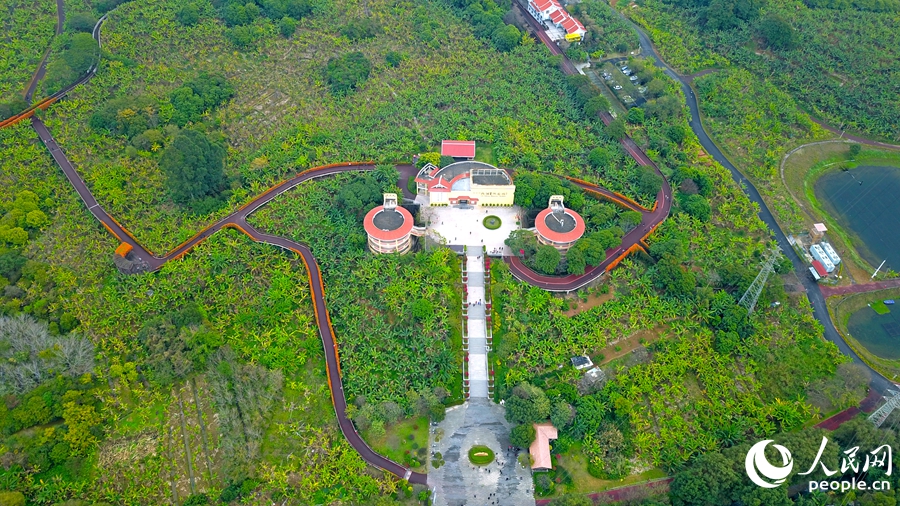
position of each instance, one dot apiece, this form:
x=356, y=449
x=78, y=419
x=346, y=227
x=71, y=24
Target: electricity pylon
x=881, y=414
x=748, y=300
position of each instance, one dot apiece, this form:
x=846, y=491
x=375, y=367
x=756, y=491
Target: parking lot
x=623, y=82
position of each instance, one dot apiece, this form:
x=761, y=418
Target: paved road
x=650, y=219
x=816, y=298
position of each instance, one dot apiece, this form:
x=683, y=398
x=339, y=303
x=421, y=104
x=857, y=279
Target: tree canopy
x=193, y=166
x=347, y=72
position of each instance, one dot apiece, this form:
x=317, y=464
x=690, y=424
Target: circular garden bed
x=492, y=222
x=481, y=455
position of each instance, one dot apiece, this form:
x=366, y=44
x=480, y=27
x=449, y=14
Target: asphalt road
x=820, y=310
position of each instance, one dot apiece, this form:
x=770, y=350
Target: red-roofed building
x=540, y=448
x=458, y=149
x=557, y=226
x=542, y=9
x=820, y=269
x=552, y=12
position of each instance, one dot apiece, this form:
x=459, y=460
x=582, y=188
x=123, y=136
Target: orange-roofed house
x=540, y=448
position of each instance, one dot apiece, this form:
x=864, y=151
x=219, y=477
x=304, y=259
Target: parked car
x=626, y=71
x=642, y=90
x=617, y=87
x=633, y=78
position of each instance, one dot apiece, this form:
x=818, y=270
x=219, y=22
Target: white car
x=617, y=87
x=627, y=98
x=633, y=78
x=642, y=89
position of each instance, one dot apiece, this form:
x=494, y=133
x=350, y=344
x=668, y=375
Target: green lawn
x=404, y=441
x=574, y=463
x=484, y=153
x=880, y=307
x=481, y=455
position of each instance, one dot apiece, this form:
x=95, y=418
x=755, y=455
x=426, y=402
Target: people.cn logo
x=757, y=464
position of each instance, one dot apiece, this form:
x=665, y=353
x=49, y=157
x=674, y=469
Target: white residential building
x=551, y=12
x=819, y=254
x=832, y=254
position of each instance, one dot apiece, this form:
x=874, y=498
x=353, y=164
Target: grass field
x=404, y=440
x=574, y=462
x=880, y=307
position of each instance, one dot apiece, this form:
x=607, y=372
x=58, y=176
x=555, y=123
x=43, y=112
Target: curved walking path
x=237, y=220
x=634, y=239
x=815, y=295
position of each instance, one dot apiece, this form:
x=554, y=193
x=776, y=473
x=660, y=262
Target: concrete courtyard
x=458, y=482
x=458, y=226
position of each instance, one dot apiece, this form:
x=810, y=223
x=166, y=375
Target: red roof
x=557, y=16
x=543, y=5
x=559, y=237
x=459, y=149
x=540, y=447
x=820, y=268
x=388, y=235
x=570, y=24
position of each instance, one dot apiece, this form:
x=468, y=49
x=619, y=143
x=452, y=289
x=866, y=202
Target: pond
x=864, y=202
x=879, y=333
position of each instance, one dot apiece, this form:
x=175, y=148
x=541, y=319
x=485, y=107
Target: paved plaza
x=458, y=482
x=464, y=225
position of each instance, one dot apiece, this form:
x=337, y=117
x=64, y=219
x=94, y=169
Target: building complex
x=550, y=13
x=465, y=183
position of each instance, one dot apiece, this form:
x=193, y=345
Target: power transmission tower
x=881, y=414
x=748, y=300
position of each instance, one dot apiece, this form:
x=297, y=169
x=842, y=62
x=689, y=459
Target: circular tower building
x=389, y=227
x=557, y=226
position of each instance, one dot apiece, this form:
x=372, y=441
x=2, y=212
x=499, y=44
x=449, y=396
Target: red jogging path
x=829, y=291
x=634, y=239
x=238, y=220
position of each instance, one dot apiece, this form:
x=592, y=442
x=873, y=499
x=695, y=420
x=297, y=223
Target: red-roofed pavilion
x=458, y=149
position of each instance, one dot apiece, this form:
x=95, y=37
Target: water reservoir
x=865, y=202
